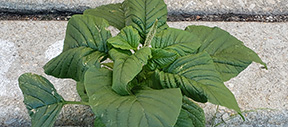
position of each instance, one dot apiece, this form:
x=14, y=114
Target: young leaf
x=41, y=99
x=127, y=39
x=113, y=13
x=88, y=31
x=191, y=115
x=230, y=55
x=141, y=14
x=176, y=40
x=158, y=108
x=197, y=77
x=127, y=67
x=73, y=63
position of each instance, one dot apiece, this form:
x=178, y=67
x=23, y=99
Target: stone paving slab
x=174, y=6
x=27, y=45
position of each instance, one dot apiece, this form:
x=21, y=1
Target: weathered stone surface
x=174, y=6
x=27, y=45
x=228, y=6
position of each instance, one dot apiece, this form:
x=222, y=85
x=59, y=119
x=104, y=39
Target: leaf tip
x=264, y=66
x=243, y=118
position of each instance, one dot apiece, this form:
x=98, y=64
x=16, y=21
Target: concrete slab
x=27, y=45
x=174, y=6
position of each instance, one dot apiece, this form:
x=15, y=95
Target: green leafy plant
x=147, y=75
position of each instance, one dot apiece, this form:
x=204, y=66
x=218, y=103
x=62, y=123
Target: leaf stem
x=77, y=102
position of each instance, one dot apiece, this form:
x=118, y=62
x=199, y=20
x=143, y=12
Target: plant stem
x=77, y=102
x=214, y=117
x=245, y=111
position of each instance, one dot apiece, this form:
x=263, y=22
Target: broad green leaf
x=113, y=13
x=41, y=99
x=198, y=79
x=118, y=53
x=191, y=115
x=229, y=65
x=170, y=42
x=176, y=40
x=151, y=66
x=98, y=123
x=141, y=14
x=127, y=39
x=88, y=31
x=82, y=91
x=189, y=87
x=84, y=45
x=73, y=63
x=163, y=58
x=127, y=67
x=229, y=54
x=146, y=108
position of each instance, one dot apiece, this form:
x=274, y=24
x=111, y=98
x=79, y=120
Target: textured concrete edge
x=185, y=10
x=65, y=16
x=174, y=7
x=40, y=8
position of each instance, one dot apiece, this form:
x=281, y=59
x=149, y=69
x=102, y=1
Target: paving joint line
x=172, y=17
